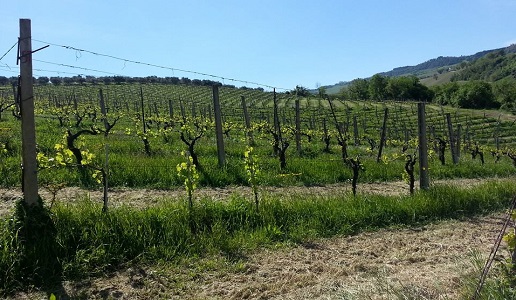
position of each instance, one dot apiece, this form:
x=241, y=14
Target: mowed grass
x=74, y=241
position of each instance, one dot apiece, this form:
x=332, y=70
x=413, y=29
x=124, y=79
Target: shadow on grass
x=37, y=251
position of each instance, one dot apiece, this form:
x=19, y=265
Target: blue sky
x=277, y=43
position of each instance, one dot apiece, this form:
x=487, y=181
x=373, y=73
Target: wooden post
x=103, y=109
x=382, y=138
x=247, y=120
x=276, y=117
x=218, y=127
x=170, y=110
x=457, y=140
x=143, y=111
x=156, y=110
x=424, y=182
x=298, y=126
x=29, y=162
x=497, y=135
x=75, y=106
x=451, y=136
x=16, y=100
x=355, y=130
x=182, y=107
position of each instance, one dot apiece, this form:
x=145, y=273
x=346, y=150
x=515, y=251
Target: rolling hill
x=434, y=71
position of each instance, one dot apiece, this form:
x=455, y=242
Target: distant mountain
x=429, y=68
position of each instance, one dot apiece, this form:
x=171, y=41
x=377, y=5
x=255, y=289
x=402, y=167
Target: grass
x=74, y=241
x=497, y=285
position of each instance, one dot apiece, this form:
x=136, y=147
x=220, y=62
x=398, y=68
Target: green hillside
x=489, y=65
x=492, y=67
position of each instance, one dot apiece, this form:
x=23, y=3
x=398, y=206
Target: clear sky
x=274, y=42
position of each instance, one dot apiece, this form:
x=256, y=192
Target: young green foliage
x=252, y=171
x=187, y=173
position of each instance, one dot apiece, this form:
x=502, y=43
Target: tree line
x=381, y=87
x=57, y=80
x=477, y=94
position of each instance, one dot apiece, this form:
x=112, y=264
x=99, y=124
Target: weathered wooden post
x=424, y=182
x=275, y=112
x=298, y=126
x=247, y=121
x=457, y=140
x=103, y=109
x=145, y=140
x=451, y=136
x=182, y=107
x=218, y=127
x=355, y=131
x=382, y=138
x=30, y=165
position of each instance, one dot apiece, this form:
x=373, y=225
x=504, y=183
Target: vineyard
x=168, y=137
x=142, y=129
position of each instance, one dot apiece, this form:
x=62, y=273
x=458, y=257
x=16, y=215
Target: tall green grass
x=77, y=240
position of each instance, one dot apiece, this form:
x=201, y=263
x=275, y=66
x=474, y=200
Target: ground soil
x=427, y=262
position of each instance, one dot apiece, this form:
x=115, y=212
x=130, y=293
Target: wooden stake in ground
x=218, y=127
x=451, y=136
x=424, y=181
x=298, y=126
x=144, y=139
x=247, y=120
x=383, y=136
x=30, y=166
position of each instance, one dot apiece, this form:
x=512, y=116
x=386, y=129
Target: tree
x=408, y=88
x=56, y=80
x=445, y=93
x=186, y=80
x=505, y=93
x=107, y=80
x=377, y=87
x=398, y=88
x=68, y=80
x=359, y=89
x=344, y=94
x=43, y=80
x=300, y=91
x=118, y=79
x=475, y=94
x=4, y=80
x=322, y=93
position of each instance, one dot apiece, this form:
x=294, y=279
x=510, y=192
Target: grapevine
x=187, y=172
x=252, y=170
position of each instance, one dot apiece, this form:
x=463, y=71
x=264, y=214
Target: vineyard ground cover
x=287, y=257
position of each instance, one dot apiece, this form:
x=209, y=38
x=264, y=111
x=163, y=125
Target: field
x=241, y=224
